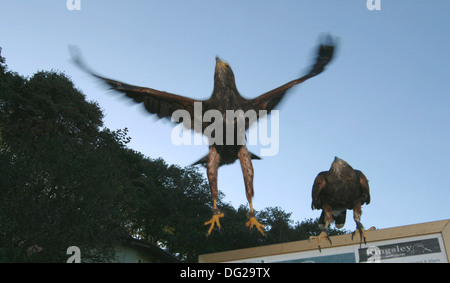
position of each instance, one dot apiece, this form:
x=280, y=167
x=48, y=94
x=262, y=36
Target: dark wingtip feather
x=324, y=55
x=78, y=60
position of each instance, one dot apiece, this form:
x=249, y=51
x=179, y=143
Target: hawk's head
x=338, y=165
x=223, y=75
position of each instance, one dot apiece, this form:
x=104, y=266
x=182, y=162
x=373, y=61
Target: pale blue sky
x=382, y=105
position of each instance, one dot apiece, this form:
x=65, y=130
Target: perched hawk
x=225, y=96
x=337, y=190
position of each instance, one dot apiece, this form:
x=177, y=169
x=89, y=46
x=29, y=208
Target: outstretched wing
x=364, y=187
x=269, y=100
x=319, y=183
x=161, y=103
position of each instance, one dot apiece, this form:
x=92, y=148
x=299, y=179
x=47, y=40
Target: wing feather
x=319, y=183
x=364, y=187
x=270, y=100
x=161, y=103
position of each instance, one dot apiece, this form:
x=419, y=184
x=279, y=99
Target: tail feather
x=254, y=156
x=339, y=220
x=201, y=161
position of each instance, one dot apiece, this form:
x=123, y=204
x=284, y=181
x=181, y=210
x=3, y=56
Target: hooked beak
x=221, y=63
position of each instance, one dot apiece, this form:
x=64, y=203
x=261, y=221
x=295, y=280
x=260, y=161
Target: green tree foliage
x=65, y=180
x=60, y=183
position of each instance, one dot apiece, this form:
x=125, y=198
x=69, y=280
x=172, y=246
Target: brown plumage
x=225, y=96
x=337, y=190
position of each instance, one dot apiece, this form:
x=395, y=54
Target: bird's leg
x=328, y=218
x=359, y=227
x=212, y=167
x=247, y=171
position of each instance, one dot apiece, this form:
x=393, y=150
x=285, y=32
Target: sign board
x=414, y=243
x=408, y=250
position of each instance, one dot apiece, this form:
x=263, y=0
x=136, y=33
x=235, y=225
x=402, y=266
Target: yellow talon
x=321, y=236
x=253, y=222
x=215, y=219
x=360, y=230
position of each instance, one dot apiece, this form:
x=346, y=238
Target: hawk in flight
x=225, y=96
